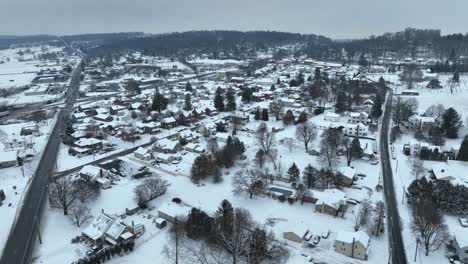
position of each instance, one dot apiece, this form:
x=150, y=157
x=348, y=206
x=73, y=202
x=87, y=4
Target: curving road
x=397, y=249
x=23, y=235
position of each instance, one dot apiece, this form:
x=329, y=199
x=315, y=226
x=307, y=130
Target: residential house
x=356, y=118
x=90, y=143
x=167, y=146
x=168, y=122
x=353, y=244
x=329, y=201
x=108, y=229
x=346, y=175
x=143, y=153
x=353, y=130
x=420, y=123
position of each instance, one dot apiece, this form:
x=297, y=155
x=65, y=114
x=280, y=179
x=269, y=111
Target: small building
x=409, y=93
x=292, y=236
x=172, y=211
x=143, y=154
x=332, y=117
x=356, y=130
x=8, y=159
x=168, y=122
x=329, y=201
x=161, y=223
x=461, y=248
x=356, y=118
x=353, y=244
x=346, y=175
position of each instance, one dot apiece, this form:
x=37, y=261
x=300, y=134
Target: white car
x=463, y=221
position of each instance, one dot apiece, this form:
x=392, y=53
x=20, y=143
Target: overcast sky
x=332, y=18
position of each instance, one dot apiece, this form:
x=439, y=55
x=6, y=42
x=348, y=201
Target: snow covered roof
x=167, y=144
x=173, y=210
x=168, y=120
x=347, y=171
x=90, y=170
x=83, y=142
x=452, y=170
x=115, y=230
x=8, y=156
x=359, y=236
x=330, y=197
x=98, y=227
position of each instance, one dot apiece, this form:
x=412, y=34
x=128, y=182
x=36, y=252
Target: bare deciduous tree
x=363, y=216
x=175, y=250
x=236, y=243
x=428, y=226
x=277, y=108
x=289, y=143
x=212, y=145
x=417, y=167
x=79, y=214
x=435, y=111
x=331, y=140
x=151, y=188
x=266, y=138
x=411, y=74
x=248, y=181
x=62, y=194
x=306, y=133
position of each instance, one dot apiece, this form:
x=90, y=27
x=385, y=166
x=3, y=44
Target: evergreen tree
x=278, y=81
x=293, y=173
x=231, y=100
x=309, y=176
x=247, y=95
x=354, y=151
x=302, y=118
x=257, y=114
x=317, y=75
x=463, y=152
x=265, y=114
x=451, y=123
x=341, y=102
x=159, y=102
x=376, y=111
x=198, y=225
x=288, y=118
x=188, y=102
x=258, y=248
x=272, y=88
x=188, y=87
x=201, y=168
x=456, y=77
x=224, y=218
x=436, y=136
x=219, y=100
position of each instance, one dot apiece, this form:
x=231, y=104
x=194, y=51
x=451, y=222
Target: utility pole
x=403, y=197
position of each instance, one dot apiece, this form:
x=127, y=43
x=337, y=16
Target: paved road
x=23, y=235
x=397, y=250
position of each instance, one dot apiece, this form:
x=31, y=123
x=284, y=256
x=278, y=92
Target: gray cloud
x=333, y=18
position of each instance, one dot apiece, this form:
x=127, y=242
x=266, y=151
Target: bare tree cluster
x=150, y=189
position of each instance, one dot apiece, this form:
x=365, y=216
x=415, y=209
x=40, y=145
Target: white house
x=332, y=117
x=8, y=159
x=143, y=153
x=356, y=118
x=353, y=244
x=418, y=123
x=358, y=129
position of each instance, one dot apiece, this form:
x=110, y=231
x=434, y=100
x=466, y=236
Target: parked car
x=93, y=250
x=374, y=162
x=463, y=221
x=325, y=234
x=316, y=240
x=361, y=175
